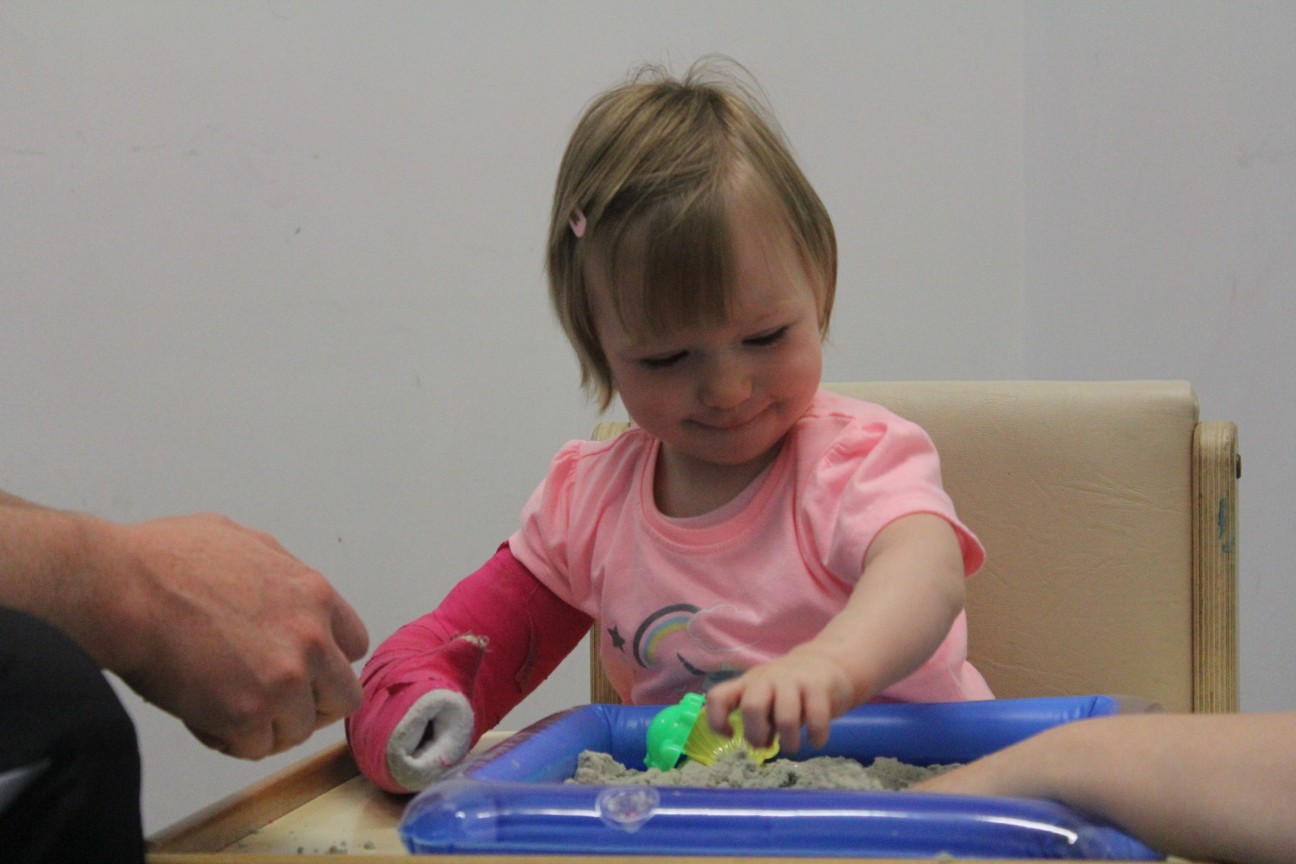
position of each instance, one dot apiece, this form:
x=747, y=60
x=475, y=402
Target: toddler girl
x=789, y=551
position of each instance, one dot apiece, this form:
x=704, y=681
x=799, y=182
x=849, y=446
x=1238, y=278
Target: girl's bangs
x=671, y=266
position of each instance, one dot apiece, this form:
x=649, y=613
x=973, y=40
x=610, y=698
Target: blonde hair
x=648, y=178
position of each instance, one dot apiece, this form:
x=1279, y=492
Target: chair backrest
x=1109, y=515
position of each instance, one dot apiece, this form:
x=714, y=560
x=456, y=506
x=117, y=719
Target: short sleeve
x=541, y=542
x=560, y=538
x=873, y=471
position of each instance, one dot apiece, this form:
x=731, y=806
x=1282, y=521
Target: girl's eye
x=663, y=362
x=769, y=338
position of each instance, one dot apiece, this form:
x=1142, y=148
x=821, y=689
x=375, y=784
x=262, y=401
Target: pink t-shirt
x=684, y=603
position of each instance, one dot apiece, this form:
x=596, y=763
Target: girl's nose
x=726, y=385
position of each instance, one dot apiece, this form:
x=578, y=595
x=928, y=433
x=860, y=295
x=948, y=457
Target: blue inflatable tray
x=512, y=798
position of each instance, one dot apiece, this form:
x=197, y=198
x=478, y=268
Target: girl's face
x=721, y=396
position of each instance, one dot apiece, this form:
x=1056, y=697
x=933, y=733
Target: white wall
x=1160, y=242
x=283, y=259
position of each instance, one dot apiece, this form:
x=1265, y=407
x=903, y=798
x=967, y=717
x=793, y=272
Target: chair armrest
x=1216, y=469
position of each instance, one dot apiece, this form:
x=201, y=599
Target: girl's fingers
x=818, y=714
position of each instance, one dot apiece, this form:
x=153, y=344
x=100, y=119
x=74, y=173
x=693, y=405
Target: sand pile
x=736, y=771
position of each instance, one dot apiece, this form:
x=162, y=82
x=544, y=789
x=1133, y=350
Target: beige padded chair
x=1109, y=515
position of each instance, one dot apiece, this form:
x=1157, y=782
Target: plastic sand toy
x=682, y=730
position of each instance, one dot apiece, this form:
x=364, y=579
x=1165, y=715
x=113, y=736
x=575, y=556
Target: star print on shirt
x=618, y=641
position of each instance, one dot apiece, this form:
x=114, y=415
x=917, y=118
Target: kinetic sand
x=736, y=771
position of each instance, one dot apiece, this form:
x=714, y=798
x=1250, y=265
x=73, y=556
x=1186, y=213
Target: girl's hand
x=802, y=688
x=909, y=594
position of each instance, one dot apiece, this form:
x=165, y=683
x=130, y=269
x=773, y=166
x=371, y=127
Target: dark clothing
x=57, y=707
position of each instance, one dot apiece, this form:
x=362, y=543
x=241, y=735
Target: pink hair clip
x=577, y=223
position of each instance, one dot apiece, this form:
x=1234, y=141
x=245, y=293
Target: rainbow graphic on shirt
x=657, y=627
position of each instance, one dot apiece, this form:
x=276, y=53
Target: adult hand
x=232, y=634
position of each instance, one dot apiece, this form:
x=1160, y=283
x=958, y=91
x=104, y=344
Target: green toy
x=682, y=730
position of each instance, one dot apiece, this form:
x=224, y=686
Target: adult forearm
x=1206, y=787
x=1218, y=787
x=52, y=565
x=7, y=500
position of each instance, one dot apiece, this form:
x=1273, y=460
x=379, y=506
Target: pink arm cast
x=494, y=638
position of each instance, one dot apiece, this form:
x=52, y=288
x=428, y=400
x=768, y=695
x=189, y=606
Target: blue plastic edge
x=513, y=798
